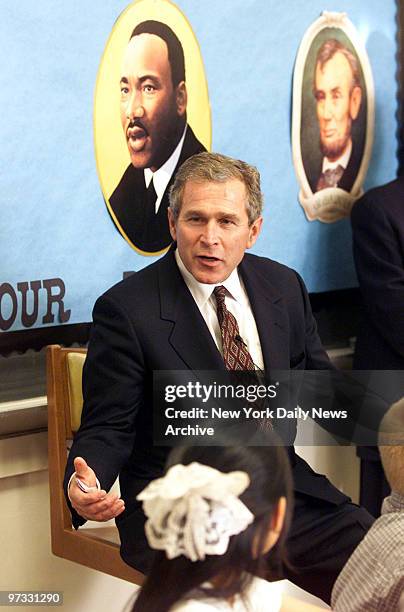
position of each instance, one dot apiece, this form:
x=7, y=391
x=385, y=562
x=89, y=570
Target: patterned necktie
x=330, y=178
x=235, y=352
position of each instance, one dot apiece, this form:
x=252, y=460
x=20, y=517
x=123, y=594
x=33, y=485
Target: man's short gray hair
x=218, y=168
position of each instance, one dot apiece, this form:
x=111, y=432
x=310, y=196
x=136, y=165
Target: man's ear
x=181, y=98
x=254, y=230
x=171, y=224
x=355, y=102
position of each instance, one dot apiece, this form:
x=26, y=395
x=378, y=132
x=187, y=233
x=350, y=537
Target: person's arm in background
x=327, y=387
x=113, y=393
x=379, y=260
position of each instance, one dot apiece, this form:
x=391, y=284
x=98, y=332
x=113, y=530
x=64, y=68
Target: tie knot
x=220, y=293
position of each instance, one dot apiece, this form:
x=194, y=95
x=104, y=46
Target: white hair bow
x=194, y=509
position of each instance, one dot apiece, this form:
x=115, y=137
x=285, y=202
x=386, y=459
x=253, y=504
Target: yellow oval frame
x=111, y=152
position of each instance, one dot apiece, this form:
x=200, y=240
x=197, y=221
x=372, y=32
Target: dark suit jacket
x=378, y=246
x=350, y=173
x=129, y=204
x=150, y=322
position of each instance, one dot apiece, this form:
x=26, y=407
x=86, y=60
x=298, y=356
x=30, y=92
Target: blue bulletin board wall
x=54, y=222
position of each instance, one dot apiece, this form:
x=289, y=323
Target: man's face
x=212, y=230
x=151, y=109
x=338, y=104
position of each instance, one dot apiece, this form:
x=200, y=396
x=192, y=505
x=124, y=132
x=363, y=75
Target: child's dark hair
x=169, y=581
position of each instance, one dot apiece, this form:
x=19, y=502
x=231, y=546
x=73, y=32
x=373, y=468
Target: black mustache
x=137, y=123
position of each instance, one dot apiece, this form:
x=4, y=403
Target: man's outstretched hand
x=95, y=505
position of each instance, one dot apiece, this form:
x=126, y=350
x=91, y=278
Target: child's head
x=391, y=446
x=194, y=525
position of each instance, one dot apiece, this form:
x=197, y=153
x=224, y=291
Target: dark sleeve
x=113, y=385
x=339, y=391
x=379, y=261
x=316, y=356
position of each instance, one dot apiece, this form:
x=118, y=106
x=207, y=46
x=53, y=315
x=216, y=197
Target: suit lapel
x=269, y=314
x=350, y=172
x=191, y=146
x=190, y=336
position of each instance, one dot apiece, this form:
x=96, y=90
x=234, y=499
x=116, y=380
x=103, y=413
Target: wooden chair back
x=97, y=548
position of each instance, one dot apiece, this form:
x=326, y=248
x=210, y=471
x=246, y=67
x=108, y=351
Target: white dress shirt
x=237, y=303
x=162, y=176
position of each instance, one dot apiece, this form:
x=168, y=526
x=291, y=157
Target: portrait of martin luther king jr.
x=159, y=140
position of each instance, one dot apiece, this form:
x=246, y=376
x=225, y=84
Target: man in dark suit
x=378, y=246
x=166, y=317
x=154, y=120
x=338, y=96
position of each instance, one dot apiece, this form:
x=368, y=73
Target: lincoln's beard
x=334, y=150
